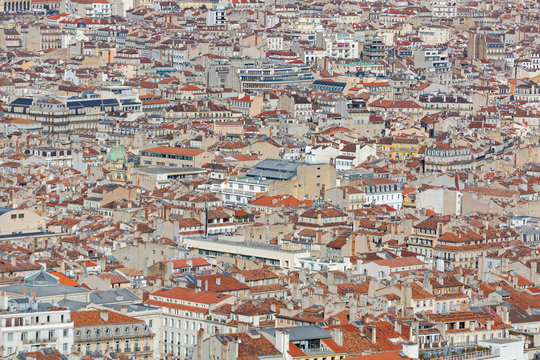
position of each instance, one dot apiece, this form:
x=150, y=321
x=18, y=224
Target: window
x=10, y=336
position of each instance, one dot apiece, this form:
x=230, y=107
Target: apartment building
x=110, y=331
x=273, y=76
x=175, y=157
x=382, y=191
x=27, y=325
x=444, y=157
x=185, y=312
x=63, y=114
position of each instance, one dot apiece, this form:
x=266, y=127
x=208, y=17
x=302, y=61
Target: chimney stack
x=104, y=315
x=371, y=333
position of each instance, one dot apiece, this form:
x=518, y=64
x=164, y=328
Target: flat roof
x=501, y=341
x=169, y=170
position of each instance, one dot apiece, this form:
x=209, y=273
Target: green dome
x=117, y=154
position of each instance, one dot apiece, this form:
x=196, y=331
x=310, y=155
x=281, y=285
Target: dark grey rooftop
x=113, y=296
x=169, y=170
x=5, y=210
x=297, y=333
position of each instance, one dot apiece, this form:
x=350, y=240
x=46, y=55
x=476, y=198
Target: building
x=285, y=255
x=382, y=191
x=271, y=76
x=444, y=157
x=20, y=222
x=298, y=179
x=374, y=49
x=485, y=47
x=157, y=177
x=305, y=342
x=175, y=157
x=185, y=312
x=117, y=166
x=46, y=287
x=63, y=115
x=87, y=8
x=104, y=331
x=216, y=16
x=28, y=325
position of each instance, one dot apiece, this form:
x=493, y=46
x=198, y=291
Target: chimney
x=13, y=260
x=205, y=285
x=337, y=336
x=371, y=333
x=123, y=309
x=218, y=281
x=4, y=301
x=199, y=283
x=532, y=271
x=104, y=315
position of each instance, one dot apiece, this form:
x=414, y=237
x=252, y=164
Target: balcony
x=475, y=355
x=39, y=341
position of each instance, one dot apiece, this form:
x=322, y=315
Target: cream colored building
x=15, y=222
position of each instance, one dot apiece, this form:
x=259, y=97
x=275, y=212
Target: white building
x=381, y=191
x=52, y=157
x=26, y=325
x=216, y=16
x=241, y=190
x=382, y=269
x=505, y=348
x=185, y=312
x=321, y=154
x=342, y=46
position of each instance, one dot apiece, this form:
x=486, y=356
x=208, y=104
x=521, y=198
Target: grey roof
x=44, y=291
x=169, y=170
x=297, y=333
x=72, y=305
x=274, y=169
x=4, y=210
x=501, y=341
x=113, y=296
x=131, y=308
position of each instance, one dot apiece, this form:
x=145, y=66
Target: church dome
x=117, y=154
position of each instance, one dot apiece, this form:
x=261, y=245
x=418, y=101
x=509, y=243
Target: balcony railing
x=475, y=355
x=39, y=341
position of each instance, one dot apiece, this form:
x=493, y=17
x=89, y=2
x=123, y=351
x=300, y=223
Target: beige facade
x=178, y=157
x=109, y=331
x=13, y=222
x=309, y=182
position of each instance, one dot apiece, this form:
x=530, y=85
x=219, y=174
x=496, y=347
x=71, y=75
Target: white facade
x=505, y=348
x=33, y=329
x=182, y=319
x=52, y=158
x=385, y=194
x=216, y=17
x=242, y=190
x=322, y=155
